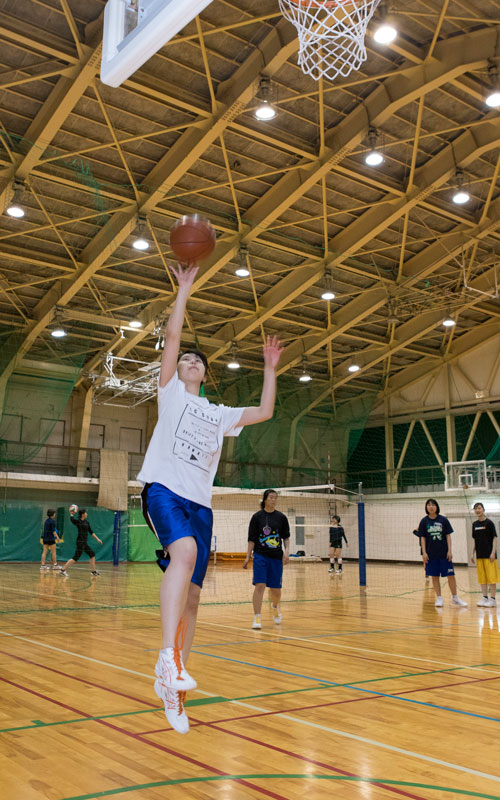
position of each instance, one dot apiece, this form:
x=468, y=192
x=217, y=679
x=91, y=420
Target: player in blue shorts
x=435, y=538
x=178, y=473
x=269, y=541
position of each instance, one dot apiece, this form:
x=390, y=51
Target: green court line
x=37, y=723
x=204, y=701
x=300, y=776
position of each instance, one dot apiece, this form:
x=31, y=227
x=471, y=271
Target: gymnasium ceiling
x=180, y=137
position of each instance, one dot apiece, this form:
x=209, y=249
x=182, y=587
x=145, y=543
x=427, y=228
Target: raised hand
x=272, y=351
x=185, y=275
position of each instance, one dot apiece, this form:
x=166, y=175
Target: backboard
x=134, y=30
x=465, y=475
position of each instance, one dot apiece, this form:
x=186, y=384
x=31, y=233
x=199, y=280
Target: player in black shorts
x=50, y=537
x=81, y=542
x=336, y=535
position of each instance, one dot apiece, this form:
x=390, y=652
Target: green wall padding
x=142, y=542
x=21, y=526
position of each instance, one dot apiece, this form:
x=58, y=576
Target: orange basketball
x=192, y=239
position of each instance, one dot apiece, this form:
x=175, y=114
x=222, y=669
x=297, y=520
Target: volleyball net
x=382, y=558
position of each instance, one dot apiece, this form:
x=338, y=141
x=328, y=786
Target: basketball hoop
x=331, y=34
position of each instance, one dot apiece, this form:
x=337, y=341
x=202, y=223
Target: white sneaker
x=439, y=602
x=492, y=602
x=483, y=602
x=458, y=602
x=276, y=614
x=63, y=573
x=56, y=566
x=257, y=623
x=174, y=706
x=172, y=672
x=331, y=569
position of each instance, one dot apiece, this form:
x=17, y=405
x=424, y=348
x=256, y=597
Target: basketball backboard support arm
x=134, y=30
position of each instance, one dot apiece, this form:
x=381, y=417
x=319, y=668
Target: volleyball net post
x=361, y=537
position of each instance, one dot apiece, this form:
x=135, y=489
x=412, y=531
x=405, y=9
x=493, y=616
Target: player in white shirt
x=178, y=473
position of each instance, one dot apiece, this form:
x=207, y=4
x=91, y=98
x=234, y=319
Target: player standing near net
x=81, y=542
x=485, y=551
x=269, y=541
x=435, y=537
x=50, y=537
x=337, y=533
x=178, y=473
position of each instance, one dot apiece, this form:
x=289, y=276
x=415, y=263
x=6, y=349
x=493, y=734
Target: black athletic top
x=267, y=531
x=83, y=526
x=483, y=534
x=337, y=533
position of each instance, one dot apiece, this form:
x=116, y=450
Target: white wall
x=389, y=522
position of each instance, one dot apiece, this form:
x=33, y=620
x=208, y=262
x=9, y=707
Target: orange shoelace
x=181, y=697
x=180, y=636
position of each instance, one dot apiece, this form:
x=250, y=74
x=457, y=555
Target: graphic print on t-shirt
x=196, y=436
x=269, y=538
x=435, y=531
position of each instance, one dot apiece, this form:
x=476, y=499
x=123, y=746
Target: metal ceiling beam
x=407, y=333
x=467, y=343
x=232, y=97
x=452, y=59
x=55, y=110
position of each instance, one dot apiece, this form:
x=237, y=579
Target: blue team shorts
x=172, y=517
x=439, y=567
x=267, y=570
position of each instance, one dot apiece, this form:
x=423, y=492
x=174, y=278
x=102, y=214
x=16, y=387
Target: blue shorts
x=172, y=517
x=439, y=567
x=267, y=570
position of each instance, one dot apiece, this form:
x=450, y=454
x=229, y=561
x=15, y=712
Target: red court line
x=337, y=770
x=346, y=702
x=140, y=738
x=81, y=680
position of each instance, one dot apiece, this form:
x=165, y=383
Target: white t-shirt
x=186, y=445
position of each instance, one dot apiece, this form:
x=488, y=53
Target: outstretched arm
x=272, y=353
x=185, y=277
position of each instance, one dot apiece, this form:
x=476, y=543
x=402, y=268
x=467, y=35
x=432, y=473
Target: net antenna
x=134, y=30
x=331, y=34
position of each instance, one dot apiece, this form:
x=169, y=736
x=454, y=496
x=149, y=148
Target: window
x=300, y=530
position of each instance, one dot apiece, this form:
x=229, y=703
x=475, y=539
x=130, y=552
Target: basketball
x=192, y=239
x=73, y=508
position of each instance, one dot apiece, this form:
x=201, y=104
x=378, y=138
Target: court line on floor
x=335, y=731
x=350, y=647
x=355, y=687
x=293, y=776
x=139, y=738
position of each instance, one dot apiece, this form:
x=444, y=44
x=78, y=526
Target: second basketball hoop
x=331, y=34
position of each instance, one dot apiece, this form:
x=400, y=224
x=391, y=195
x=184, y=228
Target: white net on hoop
x=331, y=34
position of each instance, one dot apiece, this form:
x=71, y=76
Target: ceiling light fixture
x=386, y=31
x=448, y=321
x=15, y=209
x=460, y=195
x=265, y=109
x=140, y=242
x=328, y=293
x=374, y=157
x=58, y=330
x=354, y=368
x=305, y=377
x=492, y=99
x=242, y=271
x=135, y=323
x=233, y=363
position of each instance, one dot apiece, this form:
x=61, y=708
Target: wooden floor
x=358, y=694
